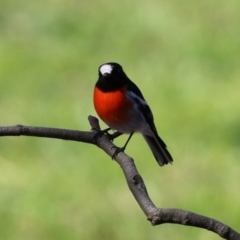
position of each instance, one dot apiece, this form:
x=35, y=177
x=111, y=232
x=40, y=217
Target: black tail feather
x=159, y=149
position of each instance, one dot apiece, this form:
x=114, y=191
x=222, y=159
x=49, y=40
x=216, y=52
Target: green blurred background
x=184, y=55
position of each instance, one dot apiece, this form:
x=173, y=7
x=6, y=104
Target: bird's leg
x=105, y=131
x=122, y=149
x=115, y=135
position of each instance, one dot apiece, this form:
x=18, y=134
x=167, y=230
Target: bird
x=121, y=105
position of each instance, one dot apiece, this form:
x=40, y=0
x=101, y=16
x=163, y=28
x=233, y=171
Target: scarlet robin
x=121, y=105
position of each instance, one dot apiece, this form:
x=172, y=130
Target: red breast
x=112, y=107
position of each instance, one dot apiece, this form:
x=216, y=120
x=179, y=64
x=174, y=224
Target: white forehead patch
x=106, y=68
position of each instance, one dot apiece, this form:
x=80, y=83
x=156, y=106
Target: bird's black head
x=111, y=77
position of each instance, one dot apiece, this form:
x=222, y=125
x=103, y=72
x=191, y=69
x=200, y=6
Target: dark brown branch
x=135, y=182
x=64, y=134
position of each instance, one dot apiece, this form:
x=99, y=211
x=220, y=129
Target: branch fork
x=134, y=180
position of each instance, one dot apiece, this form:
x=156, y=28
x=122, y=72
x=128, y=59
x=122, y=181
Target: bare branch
x=64, y=134
x=135, y=182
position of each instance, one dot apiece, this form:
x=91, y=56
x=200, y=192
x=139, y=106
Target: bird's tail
x=159, y=149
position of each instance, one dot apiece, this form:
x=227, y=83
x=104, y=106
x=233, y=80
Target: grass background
x=185, y=58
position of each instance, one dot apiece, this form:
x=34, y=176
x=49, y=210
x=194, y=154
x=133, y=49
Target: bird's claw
x=99, y=133
x=117, y=151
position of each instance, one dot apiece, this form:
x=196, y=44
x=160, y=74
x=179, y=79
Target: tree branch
x=135, y=182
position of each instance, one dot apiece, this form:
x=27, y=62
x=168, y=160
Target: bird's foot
x=105, y=131
x=99, y=133
x=122, y=149
x=117, y=151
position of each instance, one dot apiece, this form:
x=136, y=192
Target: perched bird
x=121, y=105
